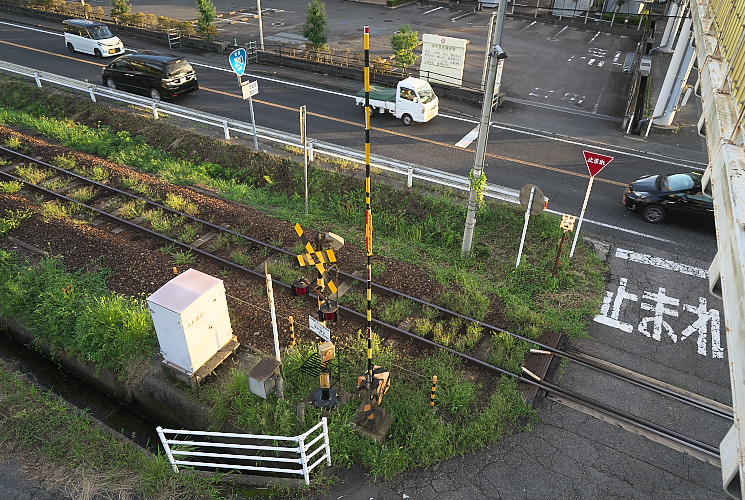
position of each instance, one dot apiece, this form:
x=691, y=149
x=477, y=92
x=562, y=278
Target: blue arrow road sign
x=238, y=61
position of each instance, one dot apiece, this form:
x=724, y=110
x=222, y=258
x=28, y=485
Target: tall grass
x=427, y=232
x=74, y=311
x=46, y=430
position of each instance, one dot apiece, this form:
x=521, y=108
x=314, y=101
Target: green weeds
x=12, y=219
x=10, y=187
x=47, y=430
x=32, y=174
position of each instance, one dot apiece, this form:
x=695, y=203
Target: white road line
x=432, y=10
x=528, y=26
x=556, y=36
x=670, y=265
x=32, y=29
x=468, y=138
x=451, y=117
x=594, y=146
x=593, y=38
x=616, y=228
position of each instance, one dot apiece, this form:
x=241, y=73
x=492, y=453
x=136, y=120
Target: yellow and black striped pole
x=292, y=330
x=433, y=394
x=368, y=213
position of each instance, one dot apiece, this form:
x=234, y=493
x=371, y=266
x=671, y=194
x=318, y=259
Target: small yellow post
x=292, y=331
x=433, y=395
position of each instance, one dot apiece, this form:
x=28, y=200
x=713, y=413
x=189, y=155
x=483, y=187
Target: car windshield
x=426, y=94
x=100, y=32
x=179, y=67
x=676, y=182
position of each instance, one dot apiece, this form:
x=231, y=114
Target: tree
x=316, y=28
x=120, y=9
x=207, y=14
x=403, y=44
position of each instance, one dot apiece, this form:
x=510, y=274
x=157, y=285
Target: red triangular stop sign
x=596, y=162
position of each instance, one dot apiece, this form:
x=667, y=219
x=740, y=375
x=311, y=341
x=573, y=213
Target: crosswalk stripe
x=468, y=138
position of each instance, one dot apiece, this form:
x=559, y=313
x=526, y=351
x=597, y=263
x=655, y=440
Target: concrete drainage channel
x=132, y=410
x=110, y=412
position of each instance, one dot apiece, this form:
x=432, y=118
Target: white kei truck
x=413, y=100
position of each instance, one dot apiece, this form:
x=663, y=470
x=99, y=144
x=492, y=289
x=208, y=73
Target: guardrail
x=409, y=171
x=249, y=452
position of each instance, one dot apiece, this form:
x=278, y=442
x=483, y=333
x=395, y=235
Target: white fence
x=410, y=171
x=300, y=459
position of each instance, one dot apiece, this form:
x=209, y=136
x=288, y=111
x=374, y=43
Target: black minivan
x=153, y=74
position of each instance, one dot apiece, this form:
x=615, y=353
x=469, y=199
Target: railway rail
x=103, y=192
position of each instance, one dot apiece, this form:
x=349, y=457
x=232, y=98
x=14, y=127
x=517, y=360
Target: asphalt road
x=528, y=144
x=660, y=327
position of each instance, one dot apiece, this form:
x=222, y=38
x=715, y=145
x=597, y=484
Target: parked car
x=674, y=196
x=153, y=74
x=91, y=37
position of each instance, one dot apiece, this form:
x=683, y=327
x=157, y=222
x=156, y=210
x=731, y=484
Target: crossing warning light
x=327, y=312
x=300, y=287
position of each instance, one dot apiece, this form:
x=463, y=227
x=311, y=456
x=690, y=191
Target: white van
x=91, y=37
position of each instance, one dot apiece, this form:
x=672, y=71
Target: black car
x=674, y=196
x=156, y=75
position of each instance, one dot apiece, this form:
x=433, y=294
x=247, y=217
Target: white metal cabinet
x=190, y=314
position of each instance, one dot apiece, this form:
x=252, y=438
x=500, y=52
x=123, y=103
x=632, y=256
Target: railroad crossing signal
x=316, y=258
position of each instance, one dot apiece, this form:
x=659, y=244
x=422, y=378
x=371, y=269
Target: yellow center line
x=340, y=120
x=430, y=141
x=73, y=58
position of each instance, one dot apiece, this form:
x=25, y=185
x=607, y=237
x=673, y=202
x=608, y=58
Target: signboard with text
x=250, y=89
x=319, y=328
x=596, y=162
x=443, y=59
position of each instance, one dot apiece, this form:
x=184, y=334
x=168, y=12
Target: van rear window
x=179, y=67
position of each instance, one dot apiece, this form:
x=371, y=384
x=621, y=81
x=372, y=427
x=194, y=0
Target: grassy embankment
x=427, y=233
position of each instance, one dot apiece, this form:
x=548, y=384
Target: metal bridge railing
x=408, y=171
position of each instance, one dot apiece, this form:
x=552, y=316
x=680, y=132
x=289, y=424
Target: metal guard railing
x=410, y=171
x=249, y=452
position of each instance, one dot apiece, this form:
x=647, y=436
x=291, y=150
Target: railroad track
x=56, y=181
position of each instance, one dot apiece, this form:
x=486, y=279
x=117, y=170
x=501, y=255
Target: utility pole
x=261, y=26
x=496, y=54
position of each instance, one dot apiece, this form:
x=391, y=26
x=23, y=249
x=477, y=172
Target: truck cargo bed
x=379, y=93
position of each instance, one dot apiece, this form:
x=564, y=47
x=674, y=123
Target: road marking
x=528, y=26
x=669, y=265
x=575, y=142
x=546, y=167
x=32, y=29
x=432, y=10
x=615, y=228
x=468, y=138
x=390, y=132
x=593, y=38
x=452, y=117
x=555, y=38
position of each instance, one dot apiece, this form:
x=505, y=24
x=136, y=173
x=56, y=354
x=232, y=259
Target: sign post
x=237, y=61
x=304, y=141
x=272, y=310
x=595, y=163
x=533, y=201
